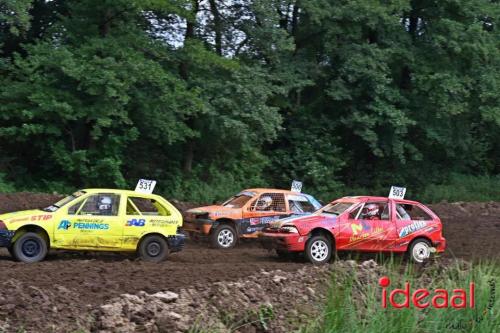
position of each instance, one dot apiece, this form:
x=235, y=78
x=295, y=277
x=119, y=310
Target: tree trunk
x=184, y=73
x=217, y=26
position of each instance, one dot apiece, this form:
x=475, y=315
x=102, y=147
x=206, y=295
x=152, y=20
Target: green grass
x=354, y=306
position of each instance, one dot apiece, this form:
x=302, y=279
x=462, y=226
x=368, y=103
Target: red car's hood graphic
x=302, y=221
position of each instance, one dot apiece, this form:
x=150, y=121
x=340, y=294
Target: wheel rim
x=421, y=251
x=153, y=249
x=31, y=248
x=225, y=238
x=319, y=250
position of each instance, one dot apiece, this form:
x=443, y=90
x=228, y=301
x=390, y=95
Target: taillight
x=3, y=226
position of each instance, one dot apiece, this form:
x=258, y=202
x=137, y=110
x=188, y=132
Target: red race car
x=364, y=223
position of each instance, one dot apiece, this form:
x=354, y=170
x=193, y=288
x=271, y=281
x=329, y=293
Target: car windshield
x=238, y=201
x=62, y=202
x=336, y=208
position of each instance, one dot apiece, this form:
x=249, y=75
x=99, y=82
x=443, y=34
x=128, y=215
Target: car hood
x=303, y=221
x=17, y=216
x=216, y=211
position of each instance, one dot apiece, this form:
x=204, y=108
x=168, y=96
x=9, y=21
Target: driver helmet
x=266, y=202
x=370, y=210
x=105, y=203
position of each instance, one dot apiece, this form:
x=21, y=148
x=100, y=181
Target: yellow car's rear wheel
x=153, y=248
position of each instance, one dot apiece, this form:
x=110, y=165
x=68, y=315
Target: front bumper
x=200, y=226
x=176, y=243
x=283, y=242
x=6, y=238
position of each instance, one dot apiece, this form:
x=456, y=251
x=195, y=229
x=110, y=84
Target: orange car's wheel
x=224, y=237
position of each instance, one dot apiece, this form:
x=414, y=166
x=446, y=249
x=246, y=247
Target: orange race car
x=245, y=215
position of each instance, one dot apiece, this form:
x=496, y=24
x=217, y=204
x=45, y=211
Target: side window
x=355, y=212
x=73, y=209
x=144, y=206
x=102, y=204
x=270, y=202
x=299, y=204
x=375, y=211
x=411, y=212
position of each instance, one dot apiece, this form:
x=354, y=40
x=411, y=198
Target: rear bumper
x=176, y=243
x=440, y=245
x=283, y=242
x=200, y=226
x=6, y=238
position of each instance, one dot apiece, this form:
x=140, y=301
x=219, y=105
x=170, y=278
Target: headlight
x=289, y=229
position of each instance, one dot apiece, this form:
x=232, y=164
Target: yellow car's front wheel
x=30, y=248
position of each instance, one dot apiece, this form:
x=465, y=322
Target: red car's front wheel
x=318, y=250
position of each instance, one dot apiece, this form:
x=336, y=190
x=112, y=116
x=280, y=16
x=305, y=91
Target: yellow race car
x=95, y=220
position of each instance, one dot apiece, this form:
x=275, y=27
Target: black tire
x=318, y=250
x=419, y=251
x=30, y=248
x=153, y=248
x=224, y=237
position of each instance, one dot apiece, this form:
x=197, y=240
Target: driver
x=265, y=203
x=371, y=212
x=105, y=205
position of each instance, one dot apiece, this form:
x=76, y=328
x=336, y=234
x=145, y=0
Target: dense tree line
x=209, y=96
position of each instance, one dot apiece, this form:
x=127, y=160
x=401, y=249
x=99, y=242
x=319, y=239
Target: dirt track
x=79, y=281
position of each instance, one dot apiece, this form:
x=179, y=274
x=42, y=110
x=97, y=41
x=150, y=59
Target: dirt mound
x=11, y=202
x=471, y=229
x=268, y=301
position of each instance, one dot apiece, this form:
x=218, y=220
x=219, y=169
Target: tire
x=224, y=237
x=153, y=248
x=30, y=248
x=419, y=251
x=318, y=250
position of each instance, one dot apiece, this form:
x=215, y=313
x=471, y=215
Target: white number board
x=296, y=186
x=397, y=192
x=145, y=186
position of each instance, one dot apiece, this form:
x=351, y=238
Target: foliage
x=209, y=97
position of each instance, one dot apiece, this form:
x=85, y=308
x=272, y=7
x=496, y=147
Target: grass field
x=356, y=306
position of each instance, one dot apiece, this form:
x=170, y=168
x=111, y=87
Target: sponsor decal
x=411, y=228
x=37, y=218
x=423, y=298
x=161, y=223
x=65, y=225
x=19, y=219
x=254, y=220
x=90, y=226
x=251, y=229
x=136, y=223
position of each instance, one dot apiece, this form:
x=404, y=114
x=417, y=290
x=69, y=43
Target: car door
x=268, y=207
x=94, y=222
x=363, y=232
x=145, y=214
